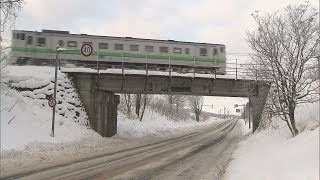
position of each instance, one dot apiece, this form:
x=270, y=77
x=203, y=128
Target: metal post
x=169, y=70
x=244, y=115
x=122, y=68
x=98, y=67
x=194, y=66
x=55, y=91
x=236, y=69
x=250, y=114
x=122, y=65
x=147, y=74
x=1, y=38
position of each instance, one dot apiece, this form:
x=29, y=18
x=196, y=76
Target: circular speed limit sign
x=86, y=49
x=52, y=102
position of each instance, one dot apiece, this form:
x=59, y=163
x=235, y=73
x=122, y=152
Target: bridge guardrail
x=233, y=70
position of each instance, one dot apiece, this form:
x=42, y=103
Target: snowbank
x=272, y=154
x=25, y=115
x=154, y=124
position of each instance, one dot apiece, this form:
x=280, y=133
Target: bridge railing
x=232, y=70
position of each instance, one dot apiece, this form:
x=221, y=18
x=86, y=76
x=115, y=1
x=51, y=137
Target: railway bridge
x=97, y=91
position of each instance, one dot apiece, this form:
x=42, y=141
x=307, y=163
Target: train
x=33, y=47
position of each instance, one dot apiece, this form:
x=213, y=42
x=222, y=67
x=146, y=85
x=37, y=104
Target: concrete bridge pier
x=103, y=112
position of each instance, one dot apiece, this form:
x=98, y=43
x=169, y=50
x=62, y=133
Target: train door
x=29, y=46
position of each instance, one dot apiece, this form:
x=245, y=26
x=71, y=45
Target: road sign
x=52, y=102
x=86, y=49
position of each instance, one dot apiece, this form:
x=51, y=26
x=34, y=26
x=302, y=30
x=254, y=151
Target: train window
x=134, y=47
x=41, y=41
x=118, y=46
x=203, y=51
x=187, y=51
x=29, y=40
x=163, y=49
x=23, y=36
x=177, y=50
x=215, y=51
x=103, y=45
x=72, y=43
x=222, y=49
x=18, y=36
x=149, y=48
x=61, y=43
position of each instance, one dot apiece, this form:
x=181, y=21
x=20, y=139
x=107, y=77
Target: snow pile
x=273, y=154
x=26, y=116
x=154, y=124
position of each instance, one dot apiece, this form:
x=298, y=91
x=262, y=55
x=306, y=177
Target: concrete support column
x=103, y=112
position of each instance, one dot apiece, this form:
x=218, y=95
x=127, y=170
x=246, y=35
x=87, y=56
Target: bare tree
x=9, y=11
x=285, y=47
x=145, y=101
x=175, y=104
x=162, y=106
x=179, y=102
x=138, y=104
x=128, y=102
x=196, y=103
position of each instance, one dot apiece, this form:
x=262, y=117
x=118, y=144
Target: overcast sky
x=212, y=21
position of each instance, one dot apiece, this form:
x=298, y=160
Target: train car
x=40, y=47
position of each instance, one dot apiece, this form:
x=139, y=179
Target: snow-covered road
x=197, y=155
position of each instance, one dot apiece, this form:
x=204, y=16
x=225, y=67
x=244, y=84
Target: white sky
x=211, y=21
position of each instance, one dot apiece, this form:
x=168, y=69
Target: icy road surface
x=198, y=155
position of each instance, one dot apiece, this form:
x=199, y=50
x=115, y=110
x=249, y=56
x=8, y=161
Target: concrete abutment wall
x=100, y=105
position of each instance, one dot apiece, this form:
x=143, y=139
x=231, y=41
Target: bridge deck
x=160, y=84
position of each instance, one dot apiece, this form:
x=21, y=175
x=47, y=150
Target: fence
x=234, y=70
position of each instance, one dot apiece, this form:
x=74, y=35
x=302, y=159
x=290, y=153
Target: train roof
x=59, y=32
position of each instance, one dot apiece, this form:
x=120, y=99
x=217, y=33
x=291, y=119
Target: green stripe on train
x=115, y=54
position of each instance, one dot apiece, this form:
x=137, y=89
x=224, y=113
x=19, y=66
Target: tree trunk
x=138, y=104
x=197, y=116
x=144, y=106
x=127, y=98
x=291, y=130
x=292, y=121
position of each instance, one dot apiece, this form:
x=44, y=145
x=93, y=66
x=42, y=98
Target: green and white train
x=32, y=47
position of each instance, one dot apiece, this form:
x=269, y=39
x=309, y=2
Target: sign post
x=52, y=101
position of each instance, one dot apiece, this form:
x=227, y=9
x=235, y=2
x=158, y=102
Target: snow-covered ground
x=26, y=122
x=273, y=154
x=26, y=128
x=26, y=116
x=31, y=116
